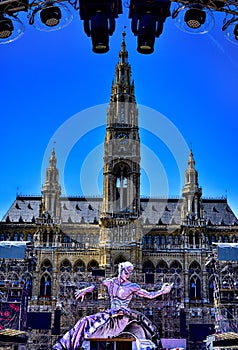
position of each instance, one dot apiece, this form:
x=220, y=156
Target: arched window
x=15, y=236
x=162, y=267
x=79, y=266
x=234, y=240
x=226, y=239
x=148, y=266
x=122, y=180
x=65, y=266
x=194, y=268
x=197, y=239
x=211, y=290
x=92, y=240
x=157, y=240
x=190, y=238
x=170, y=239
x=45, y=236
x=149, y=241
x=93, y=264
x=29, y=287
x=51, y=236
x=46, y=266
x=195, y=288
x=144, y=240
x=209, y=239
x=66, y=239
x=176, y=240
x=213, y=239
x=45, y=281
x=195, y=281
x=163, y=240
x=45, y=286
x=175, y=267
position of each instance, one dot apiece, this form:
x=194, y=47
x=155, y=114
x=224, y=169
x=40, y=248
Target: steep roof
x=162, y=211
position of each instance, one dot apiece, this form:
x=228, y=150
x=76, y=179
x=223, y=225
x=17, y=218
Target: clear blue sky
x=49, y=78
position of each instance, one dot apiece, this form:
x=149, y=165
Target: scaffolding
x=223, y=262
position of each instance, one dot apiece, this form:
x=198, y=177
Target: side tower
x=120, y=226
x=51, y=192
x=192, y=207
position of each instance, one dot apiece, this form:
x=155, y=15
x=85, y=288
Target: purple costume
x=118, y=319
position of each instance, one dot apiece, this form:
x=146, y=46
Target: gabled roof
x=23, y=209
x=218, y=212
x=155, y=211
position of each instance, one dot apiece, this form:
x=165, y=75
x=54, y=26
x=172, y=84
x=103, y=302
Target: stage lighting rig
x=99, y=21
x=49, y=15
x=197, y=17
x=194, y=19
x=99, y=18
x=11, y=28
x=231, y=30
x=147, y=21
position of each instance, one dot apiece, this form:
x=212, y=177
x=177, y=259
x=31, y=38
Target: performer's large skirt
x=108, y=324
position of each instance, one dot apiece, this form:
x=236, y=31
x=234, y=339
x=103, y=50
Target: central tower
x=121, y=198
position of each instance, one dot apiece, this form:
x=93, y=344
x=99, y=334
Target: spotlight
x=236, y=31
x=146, y=34
x=193, y=18
x=99, y=33
x=231, y=30
x=51, y=16
x=99, y=21
x=11, y=28
x=147, y=22
x=6, y=28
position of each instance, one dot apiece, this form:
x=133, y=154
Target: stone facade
x=77, y=240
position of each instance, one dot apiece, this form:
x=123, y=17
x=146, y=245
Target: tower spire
x=191, y=192
x=122, y=86
x=122, y=144
x=120, y=210
x=123, y=54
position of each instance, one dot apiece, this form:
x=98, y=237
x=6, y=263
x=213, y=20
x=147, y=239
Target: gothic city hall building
x=73, y=242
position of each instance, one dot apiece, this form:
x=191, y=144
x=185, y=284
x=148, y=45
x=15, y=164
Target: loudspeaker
x=182, y=324
x=39, y=320
x=149, y=278
x=56, y=329
x=199, y=332
x=98, y=272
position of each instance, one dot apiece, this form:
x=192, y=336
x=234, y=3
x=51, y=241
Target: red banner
x=9, y=315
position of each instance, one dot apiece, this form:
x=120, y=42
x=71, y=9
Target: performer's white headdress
x=127, y=265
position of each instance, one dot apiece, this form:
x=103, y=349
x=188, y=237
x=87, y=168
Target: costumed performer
x=119, y=318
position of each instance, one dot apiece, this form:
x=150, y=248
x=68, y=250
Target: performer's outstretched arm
x=166, y=288
x=80, y=293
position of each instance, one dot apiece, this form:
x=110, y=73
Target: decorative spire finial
x=123, y=34
x=123, y=54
